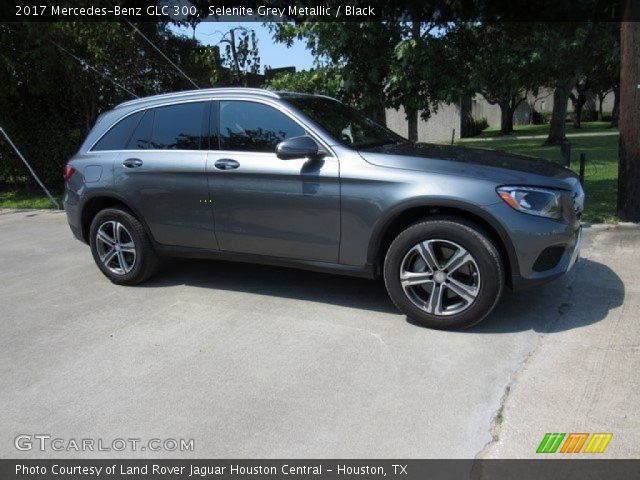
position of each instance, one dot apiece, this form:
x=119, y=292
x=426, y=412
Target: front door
x=264, y=205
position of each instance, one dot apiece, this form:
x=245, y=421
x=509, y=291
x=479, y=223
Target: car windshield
x=345, y=124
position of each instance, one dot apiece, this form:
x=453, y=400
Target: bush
x=537, y=118
x=476, y=126
x=589, y=116
x=545, y=117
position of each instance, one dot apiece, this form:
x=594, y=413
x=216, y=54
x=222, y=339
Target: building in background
x=447, y=123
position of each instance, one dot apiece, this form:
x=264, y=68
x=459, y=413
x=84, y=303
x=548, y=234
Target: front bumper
x=543, y=249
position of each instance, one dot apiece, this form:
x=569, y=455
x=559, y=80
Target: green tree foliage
x=416, y=77
x=604, y=74
x=322, y=81
x=235, y=59
x=394, y=63
x=58, y=77
x=361, y=50
x=503, y=65
x=565, y=46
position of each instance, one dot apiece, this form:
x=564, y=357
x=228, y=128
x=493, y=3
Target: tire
x=136, y=251
x=468, y=291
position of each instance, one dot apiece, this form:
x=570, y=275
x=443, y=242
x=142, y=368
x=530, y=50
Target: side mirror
x=297, y=147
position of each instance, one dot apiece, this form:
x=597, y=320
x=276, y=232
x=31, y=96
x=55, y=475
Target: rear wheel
x=121, y=248
x=444, y=273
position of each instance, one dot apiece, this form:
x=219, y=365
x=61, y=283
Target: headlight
x=535, y=201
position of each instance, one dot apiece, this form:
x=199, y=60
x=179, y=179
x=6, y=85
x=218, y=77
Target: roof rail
x=203, y=91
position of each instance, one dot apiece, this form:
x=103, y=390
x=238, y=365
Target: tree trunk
x=378, y=113
x=578, y=105
x=629, y=150
x=600, y=102
x=506, y=118
x=234, y=54
x=532, y=110
x=412, y=113
x=577, y=117
x=412, y=124
x=616, y=106
x=557, y=126
x=466, y=116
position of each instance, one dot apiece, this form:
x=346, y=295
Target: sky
x=272, y=54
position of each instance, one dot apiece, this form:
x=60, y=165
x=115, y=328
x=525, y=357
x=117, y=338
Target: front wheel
x=444, y=273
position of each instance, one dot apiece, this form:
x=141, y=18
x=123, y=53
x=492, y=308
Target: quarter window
x=118, y=136
x=141, y=135
x=254, y=127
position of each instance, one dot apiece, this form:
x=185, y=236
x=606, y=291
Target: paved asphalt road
x=254, y=361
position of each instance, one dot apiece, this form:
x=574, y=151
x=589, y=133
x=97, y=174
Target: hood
x=493, y=165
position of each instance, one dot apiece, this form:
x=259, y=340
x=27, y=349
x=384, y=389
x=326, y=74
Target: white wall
x=437, y=129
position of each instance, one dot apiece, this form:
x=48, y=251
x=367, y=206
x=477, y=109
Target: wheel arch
x=407, y=214
x=98, y=202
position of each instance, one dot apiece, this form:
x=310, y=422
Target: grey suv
x=304, y=181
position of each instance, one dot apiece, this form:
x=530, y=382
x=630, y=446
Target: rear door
x=264, y=205
x=162, y=172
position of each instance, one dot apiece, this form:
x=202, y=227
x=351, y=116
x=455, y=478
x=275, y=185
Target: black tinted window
x=142, y=133
x=254, y=127
x=118, y=136
x=178, y=126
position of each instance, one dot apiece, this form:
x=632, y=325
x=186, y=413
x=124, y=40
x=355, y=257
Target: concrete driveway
x=254, y=361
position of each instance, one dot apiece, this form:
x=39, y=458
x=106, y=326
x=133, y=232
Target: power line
x=84, y=63
x=33, y=174
x=161, y=53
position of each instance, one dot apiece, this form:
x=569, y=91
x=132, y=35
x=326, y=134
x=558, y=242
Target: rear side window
x=118, y=136
x=254, y=127
x=178, y=127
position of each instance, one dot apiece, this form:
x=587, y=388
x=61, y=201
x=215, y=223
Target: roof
x=204, y=92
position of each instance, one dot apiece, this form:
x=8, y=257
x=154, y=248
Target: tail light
x=68, y=172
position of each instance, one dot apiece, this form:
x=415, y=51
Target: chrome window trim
x=244, y=98
x=202, y=92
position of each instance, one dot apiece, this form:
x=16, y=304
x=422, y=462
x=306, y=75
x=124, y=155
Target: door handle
x=226, y=164
x=132, y=163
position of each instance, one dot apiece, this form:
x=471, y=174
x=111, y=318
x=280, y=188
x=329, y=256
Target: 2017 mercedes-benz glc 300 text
x=305, y=181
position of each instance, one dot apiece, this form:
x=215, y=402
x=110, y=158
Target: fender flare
x=469, y=209
x=110, y=195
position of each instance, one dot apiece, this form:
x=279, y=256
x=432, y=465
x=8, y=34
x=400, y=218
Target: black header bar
x=438, y=11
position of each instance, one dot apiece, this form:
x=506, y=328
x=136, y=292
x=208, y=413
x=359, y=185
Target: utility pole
x=629, y=116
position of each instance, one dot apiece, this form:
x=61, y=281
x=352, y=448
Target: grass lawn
x=601, y=170
x=587, y=127
x=26, y=200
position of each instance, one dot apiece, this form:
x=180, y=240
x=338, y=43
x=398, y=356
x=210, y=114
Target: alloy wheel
x=440, y=277
x=116, y=248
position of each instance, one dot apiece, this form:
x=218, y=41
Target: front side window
x=254, y=127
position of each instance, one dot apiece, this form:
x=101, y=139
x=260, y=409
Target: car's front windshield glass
x=345, y=124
